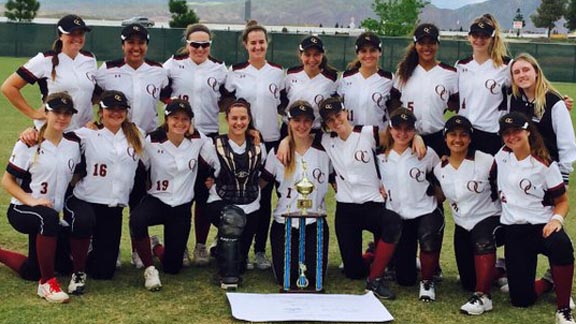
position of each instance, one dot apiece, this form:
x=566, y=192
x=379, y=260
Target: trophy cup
x=304, y=187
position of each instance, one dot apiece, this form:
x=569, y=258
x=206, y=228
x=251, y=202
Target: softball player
x=94, y=211
x=260, y=83
x=483, y=80
x=534, y=205
x=314, y=80
x=37, y=178
x=197, y=77
x=426, y=86
x=300, y=119
x=65, y=68
x=365, y=87
x=173, y=155
x=465, y=181
x=410, y=195
x=533, y=95
x=236, y=185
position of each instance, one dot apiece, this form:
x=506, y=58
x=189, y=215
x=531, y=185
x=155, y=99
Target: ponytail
x=133, y=136
x=56, y=47
x=408, y=64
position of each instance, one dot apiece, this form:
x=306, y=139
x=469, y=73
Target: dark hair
x=252, y=25
x=241, y=102
x=56, y=47
x=409, y=62
x=192, y=29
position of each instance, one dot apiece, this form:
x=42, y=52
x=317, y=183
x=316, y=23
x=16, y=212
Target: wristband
x=558, y=218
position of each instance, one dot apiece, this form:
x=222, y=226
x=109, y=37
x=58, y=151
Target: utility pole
x=247, y=10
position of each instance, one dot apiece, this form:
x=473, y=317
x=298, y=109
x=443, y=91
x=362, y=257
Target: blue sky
x=453, y=4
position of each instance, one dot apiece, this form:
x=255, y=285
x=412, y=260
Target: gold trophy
x=304, y=188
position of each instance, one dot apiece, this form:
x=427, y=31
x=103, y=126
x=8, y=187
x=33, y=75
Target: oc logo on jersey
x=492, y=86
x=153, y=90
x=441, y=92
x=318, y=99
x=417, y=174
x=191, y=164
x=131, y=152
x=274, y=90
x=212, y=83
x=71, y=165
x=526, y=185
x=362, y=156
x=319, y=175
x=474, y=186
x=379, y=99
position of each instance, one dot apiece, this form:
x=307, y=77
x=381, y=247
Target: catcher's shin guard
x=232, y=223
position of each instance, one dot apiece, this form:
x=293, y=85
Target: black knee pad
x=232, y=224
x=391, y=227
x=560, y=248
x=484, y=246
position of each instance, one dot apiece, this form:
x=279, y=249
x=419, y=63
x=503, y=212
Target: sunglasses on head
x=199, y=44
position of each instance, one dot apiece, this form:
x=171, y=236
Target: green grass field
x=191, y=297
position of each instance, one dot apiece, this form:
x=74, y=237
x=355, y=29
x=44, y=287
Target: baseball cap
x=427, y=30
x=482, y=28
x=135, y=30
x=177, y=105
x=368, y=38
x=513, y=120
x=300, y=108
x=458, y=122
x=330, y=106
x=311, y=42
x=402, y=115
x=70, y=23
x=60, y=104
x=114, y=99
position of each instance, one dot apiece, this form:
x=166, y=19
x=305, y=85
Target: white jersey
x=365, y=98
x=110, y=167
x=173, y=169
x=45, y=171
x=299, y=86
x=141, y=86
x=405, y=179
x=357, y=178
x=200, y=85
x=480, y=86
x=261, y=88
x=468, y=189
x=238, y=149
x=426, y=93
x=527, y=188
x=74, y=76
x=317, y=171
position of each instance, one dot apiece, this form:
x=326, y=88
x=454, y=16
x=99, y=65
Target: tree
x=548, y=13
x=396, y=17
x=21, y=10
x=181, y=15
x=571, y=16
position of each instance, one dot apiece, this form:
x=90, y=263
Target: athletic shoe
x=477, y=304
x=118, y=261
x=564, y=316
x=261, y=262
x=136, y=261
x=380, y=289
x=389, y=274
x=50, y=290
x=249, y=265
x=77, y=283
x=341, y=266
x=152, y=279
x=186, y=261
x=438, y=275
x=201, y=256
x=427, y=291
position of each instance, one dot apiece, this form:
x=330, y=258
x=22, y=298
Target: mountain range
x=291, y=12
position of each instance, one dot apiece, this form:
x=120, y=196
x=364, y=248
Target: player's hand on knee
x=29, y=136
x=552, y=226
x=39, y=202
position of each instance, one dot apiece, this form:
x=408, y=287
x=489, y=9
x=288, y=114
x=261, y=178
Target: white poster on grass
x=308, y=307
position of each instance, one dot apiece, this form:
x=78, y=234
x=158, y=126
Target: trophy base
x=302, y=291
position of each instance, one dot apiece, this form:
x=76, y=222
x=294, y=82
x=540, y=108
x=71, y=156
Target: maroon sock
x=563, y=284
x=143, y=248
x=158, y=251
x=428, y=264
x=542, y=286
x=368, y=258
x=484, y=266
x=46, y=251
x=382, y=256
x=12, y=260
x=79, y=250
x=201, y=224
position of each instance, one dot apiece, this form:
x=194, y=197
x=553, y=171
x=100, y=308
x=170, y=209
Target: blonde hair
x=498, y=48
x=132, y=133
x=542, y=84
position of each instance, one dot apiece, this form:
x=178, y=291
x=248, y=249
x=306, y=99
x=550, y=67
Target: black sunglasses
x=199, y=44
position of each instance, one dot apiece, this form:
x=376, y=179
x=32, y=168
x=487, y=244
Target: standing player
x=174, y=152
x=471, y=193
x=482, y=82
x=300, y=119
x=141, y=81
x=260, y=83
x=365, y=87
x=410, y=195
x=198, y=78
x=37, y=178
x=534, y=206
x=314, y=80
x=65, y=68
x=94, y=211
x=426, y=86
